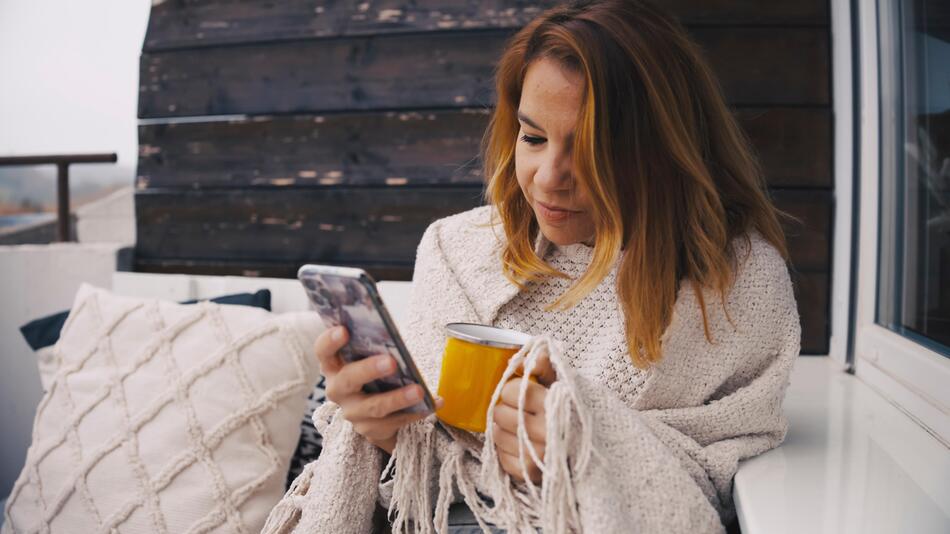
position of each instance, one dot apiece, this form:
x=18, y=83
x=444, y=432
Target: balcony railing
x=62, y=162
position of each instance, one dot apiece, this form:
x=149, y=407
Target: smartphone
x=347, y=296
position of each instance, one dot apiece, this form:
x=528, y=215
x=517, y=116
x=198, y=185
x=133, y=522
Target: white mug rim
x=491, y=336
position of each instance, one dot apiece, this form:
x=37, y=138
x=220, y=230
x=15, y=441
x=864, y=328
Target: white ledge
x=852, y=462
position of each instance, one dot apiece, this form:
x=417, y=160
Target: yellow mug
x=475, y=358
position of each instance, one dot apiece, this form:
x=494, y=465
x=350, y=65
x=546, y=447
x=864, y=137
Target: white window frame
x=844, y=138
x=913, y=377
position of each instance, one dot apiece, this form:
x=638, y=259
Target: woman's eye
x=532, y=140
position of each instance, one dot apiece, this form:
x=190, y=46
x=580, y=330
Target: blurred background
x=68, y=84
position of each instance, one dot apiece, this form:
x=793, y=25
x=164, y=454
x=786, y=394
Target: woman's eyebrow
x=525, y=119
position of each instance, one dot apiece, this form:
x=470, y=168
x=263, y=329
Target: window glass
x=914, y=297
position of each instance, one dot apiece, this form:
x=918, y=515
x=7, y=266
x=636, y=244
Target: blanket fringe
x=322, y=417
x=286, y=514
x=569, y=427
x=444, y=500
x=413, y=457
x=517, y=507
x=453, y=471
x=557, y=490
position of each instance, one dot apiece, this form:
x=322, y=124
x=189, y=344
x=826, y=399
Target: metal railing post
x=62, y=162
x=62, y=201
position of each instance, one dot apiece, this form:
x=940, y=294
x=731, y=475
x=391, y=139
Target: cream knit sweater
x=591, y=327
x=627, y=450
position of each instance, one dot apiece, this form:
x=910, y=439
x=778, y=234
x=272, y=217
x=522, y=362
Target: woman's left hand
x=506, y=421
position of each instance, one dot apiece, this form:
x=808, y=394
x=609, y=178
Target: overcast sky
x=69, y=78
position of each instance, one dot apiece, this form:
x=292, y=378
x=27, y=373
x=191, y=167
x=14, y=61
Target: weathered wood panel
x=349, y=225
x=406, y=148
x=794, y=145
x=756, y=66
x=362, y=225
x=813, y=296
x=262, y=268
x=371, y=73
x=769, y=66
x=781, y=13
x=215, y=22
x=369, y=115
x=411, y=148
x=809, y=238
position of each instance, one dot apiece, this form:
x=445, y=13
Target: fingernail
x=337, y=334
x=413, y=394
x=384, y=363
x=439, y=403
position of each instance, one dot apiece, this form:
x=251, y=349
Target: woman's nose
x=554, y=173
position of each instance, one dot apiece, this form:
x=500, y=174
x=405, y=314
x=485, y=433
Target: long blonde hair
x=671, y=177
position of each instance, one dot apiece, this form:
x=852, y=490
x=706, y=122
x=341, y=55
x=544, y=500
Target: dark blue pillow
x=44, y=331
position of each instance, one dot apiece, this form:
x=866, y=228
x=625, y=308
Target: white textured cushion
x=47, y=360
x=165, y=418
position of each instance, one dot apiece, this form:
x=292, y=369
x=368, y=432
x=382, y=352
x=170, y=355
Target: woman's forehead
x=551, y=96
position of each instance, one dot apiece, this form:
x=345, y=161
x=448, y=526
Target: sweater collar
x=472, y=247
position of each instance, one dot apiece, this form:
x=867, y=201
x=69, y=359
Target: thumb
x=544, y=371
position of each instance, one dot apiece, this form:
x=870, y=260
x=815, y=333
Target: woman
x=629, y=230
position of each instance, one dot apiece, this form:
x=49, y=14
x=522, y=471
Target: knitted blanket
x=663, y=462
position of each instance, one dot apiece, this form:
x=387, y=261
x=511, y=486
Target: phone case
x=347, y=296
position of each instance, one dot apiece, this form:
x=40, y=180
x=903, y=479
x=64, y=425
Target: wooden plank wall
x=278, y=133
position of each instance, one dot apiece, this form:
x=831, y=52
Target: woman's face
x=551, y=99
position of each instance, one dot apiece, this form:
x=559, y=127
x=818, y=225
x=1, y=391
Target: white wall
x=35, y=280
x=108, y=220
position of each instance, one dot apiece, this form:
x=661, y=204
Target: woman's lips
x=553, y=214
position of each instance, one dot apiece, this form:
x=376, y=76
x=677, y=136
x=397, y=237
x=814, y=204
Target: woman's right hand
x=373, y=415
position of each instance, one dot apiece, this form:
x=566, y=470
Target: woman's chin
x=565, y=230
x=559, y=237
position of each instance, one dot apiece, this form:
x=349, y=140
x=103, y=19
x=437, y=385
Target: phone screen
x=347, y=300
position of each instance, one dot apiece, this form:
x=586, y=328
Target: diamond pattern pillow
x=165, y=418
